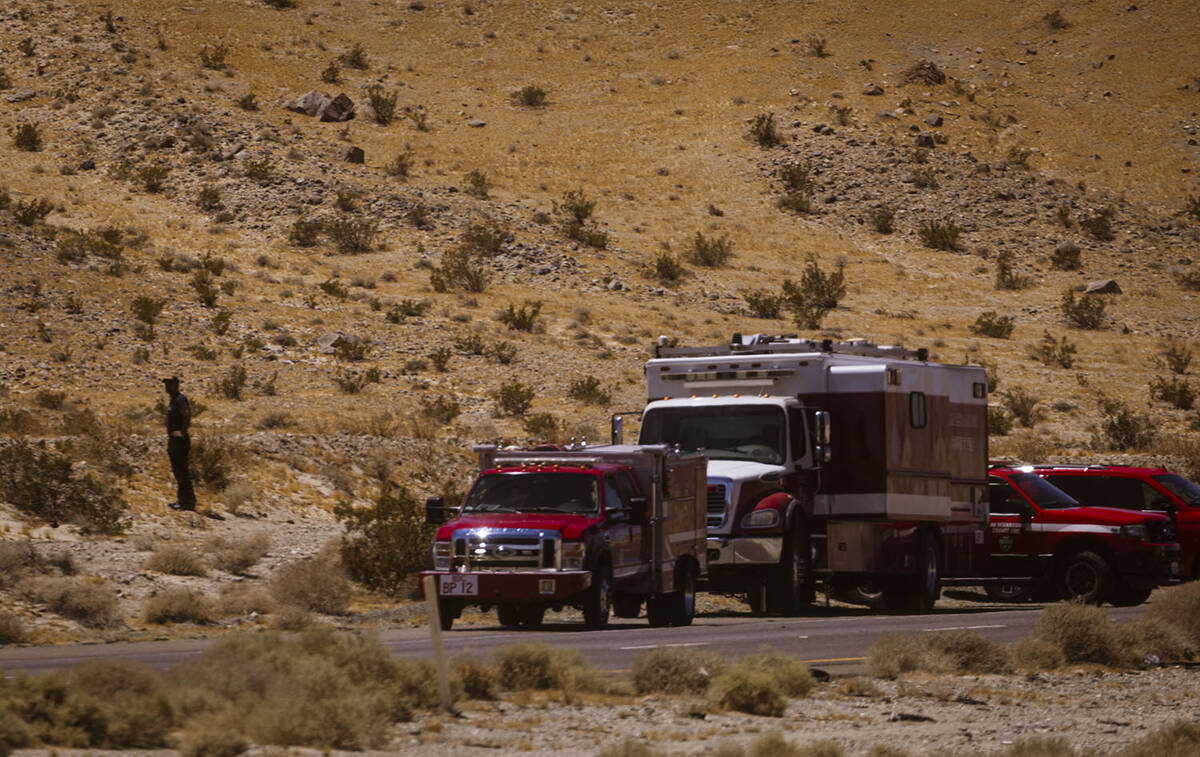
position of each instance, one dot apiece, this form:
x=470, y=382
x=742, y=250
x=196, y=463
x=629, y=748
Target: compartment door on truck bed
x=1011, y=544
x=627, y=540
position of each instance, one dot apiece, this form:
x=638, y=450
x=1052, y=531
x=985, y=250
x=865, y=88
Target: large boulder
x=341, y=108
x=1103, y=286
x=310, y=104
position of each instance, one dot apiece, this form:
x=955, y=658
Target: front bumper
x=1159, y=564
x=744, y=550
x=488, y=587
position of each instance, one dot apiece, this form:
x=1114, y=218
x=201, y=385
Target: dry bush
x=1086, y=312
x=1153, y=637
x=1122, y=429
x=476, y=678
x=940, y=235
x=1179, y=606
x=675, y=670
x=530, y=96
x=992, y=324
x=712, y=253
x=238, y=554
x=293, y=618
x=132, y=698
x=177, y=560
x=538, y=666
x=92, y=603
x=317, y=583
x=12, y=628
x=386, y=543
x=212, y=743
x=242, y=599
x=763, y=130
x=1083, y=634
x=42, y=483
x=1178, y=739
x=179, y=605
x=961, y=651
x=750, y=690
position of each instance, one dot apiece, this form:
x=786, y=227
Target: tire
x=682, y=601
x=598, y=602
x=1084, y=577
x=508, y=614
x=531, y=616
x=1127, y=596
x=1009, y=592
x=867, y=593
x=658, y=611
x=627, y=606
x=790, y=586
x=447, y=614
x=920, y=592
x=756, y=597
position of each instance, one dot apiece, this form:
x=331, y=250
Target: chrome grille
x=507, y=548
x=716, y=505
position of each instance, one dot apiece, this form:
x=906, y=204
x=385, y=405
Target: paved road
x=834, y=639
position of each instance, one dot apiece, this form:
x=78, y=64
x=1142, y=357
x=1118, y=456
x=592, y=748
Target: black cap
x=170, y=380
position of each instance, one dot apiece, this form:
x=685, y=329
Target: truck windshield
x=1180, y=487
x=535, y=493
x=725, y=432
x=1043, y=493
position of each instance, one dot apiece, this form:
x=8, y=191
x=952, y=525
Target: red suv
x=1155, y=490
x=1041, y=540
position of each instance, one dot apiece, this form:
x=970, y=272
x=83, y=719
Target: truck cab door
x=625, y=536
x=1011, y=540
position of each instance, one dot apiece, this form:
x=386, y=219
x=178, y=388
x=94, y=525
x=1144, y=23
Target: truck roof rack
x=765, y=344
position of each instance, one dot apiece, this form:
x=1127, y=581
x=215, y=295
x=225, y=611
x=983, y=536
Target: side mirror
x=436, y=512
x=618, y=426
x=823, y=450
x=637, y=509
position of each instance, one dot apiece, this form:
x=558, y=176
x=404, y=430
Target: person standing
x=179, y=444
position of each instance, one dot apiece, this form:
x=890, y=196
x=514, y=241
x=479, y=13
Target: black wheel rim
x=1080, y=580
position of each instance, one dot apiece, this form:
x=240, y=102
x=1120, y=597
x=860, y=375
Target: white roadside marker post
x=435, y=633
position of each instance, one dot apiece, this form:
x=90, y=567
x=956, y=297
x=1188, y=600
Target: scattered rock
x=925, y=139
x=872, y=90
x=21, y=95
x=1103, y=286
x=87, y=164
x=341, y=108
x=933, y=119
x=310, y=104
x=160, y=141
x=328, y=343
x=476, y=123
x=354, y=154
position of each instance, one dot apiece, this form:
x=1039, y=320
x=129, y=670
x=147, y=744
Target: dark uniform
x=179, y=445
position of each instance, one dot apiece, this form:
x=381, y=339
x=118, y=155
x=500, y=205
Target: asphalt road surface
x=835, y=640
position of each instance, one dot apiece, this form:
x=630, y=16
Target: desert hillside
x=497, y=207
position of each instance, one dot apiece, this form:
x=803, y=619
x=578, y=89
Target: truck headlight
x=761, y=519
x=1137, y=532
x=573, y=552
x=442, y=551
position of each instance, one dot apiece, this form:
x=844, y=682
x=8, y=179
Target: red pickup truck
x=603, y=529
x=1050, y=544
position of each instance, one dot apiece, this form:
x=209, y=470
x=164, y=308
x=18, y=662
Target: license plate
x=1174, y=568
x=545, y=586
x=458, y=585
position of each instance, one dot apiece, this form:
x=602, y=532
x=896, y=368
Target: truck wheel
x=1127, y=596
x=531, y=615
x=682, y=602
x=447, y=614
x=508, y=614
x=627, y=605
x=658, y=611
x=756, y=597
x=598, y=602
x=789, y=587
x=1009, y=592
x=1085, y=577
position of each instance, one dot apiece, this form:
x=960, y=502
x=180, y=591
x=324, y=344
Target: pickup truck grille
x=716, y=505
x=507, y=549
x=1160, y=532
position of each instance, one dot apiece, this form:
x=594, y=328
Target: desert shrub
x=440, y=358
x=514, y=398
x=483, y=239
x=1178, y=357
x=1086, y=312
x=817, y=46
x=940, y=235
x=1051, y=351
x=334, y=288
x=1022, y=405
x=205, y=286
x=750, y=690
x=1066, y=257
x=50, y=399
x=305, y=232
x=355, y=57
x=667, y=268
x=1007, y=276
x=317, y=584
x=763, y=130
x=179, y=605
x=353, y=382
x=1148, y=638
x=1099, y=224
x=589, y=390
x=352, y=235
x=924, y=178
x=1055, y=21
x=477, y=679
x=215, y=742
x=990, y=323
x=41, y=482
x=797, y=176
x=1178, y=739
x=1082, y=633
x=331, y=74
x=32, y=211
x=796, y=202
x=959, y=652
x=238, y=554
x=27, y=137
x=177, y=560
x=400, y=167
x=882, y=219
x=522, y=318
x=675, y=670
x=478, y=183
x=543, y=426
x=386, y=543
x=12, y=629
x=817, y=292
x=153, y=176
x=575, y=210
x=1188, y=280
x=1179, y=606
x=92, y=603
x=1175, y=391
x=925, y=72
x=213, y=56
x=261, y=169
x=441, y=409
x=530, y=96
x=537, y=666
x=231, y=384
x=763, y=304
x=459, y=270
x=712, y=253
x=383, y=103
